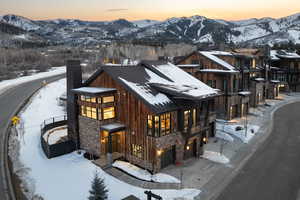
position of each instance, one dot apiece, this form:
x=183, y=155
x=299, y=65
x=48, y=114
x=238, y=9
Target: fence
x=61, y=148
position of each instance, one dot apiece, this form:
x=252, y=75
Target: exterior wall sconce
x=159, y=152
x=205, y=140
x=187, y=147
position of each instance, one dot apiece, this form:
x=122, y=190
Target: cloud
x=117, y=10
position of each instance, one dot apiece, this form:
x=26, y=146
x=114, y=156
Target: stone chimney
x=74, y=80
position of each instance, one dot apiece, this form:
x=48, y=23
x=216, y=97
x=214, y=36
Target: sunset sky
x=98, y=10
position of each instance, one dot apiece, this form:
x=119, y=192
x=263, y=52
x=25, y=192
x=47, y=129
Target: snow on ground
x=241, y=134
x=68, y=176
x=4, y=85
x=224, y=136
x=54, y=135
x=215, y=157
x=144, y=174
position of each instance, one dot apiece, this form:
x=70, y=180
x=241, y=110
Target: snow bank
x=4, y=85
x=241, y=134
x=68, y=176
x=144, y=174
x=224, y=136
x=215, y=157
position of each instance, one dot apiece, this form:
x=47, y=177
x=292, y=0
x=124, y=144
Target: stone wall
x=89, y=133
x=256, y=89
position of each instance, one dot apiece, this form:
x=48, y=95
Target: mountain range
x=195, y=29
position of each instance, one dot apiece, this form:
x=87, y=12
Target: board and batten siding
x=132, y=112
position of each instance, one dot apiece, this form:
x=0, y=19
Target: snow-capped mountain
x=195, y=29
x=12, y=36
x=145, y=23
x=21, y=22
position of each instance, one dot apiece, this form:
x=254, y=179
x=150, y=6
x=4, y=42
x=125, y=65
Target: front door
x=116, y=143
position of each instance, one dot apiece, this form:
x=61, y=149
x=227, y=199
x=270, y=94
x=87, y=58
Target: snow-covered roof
x=275, y=81
x=260, y=79
x=217, y=71
x=93, y=90
x=210, y=55
x=182, y=82
x=245, y=93
x=221, y=53
x=188, y=65
x=278, y=54
x=159, y=84
x=112, y=127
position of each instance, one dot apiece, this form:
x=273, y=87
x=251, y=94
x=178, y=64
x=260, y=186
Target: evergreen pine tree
x=98, y=190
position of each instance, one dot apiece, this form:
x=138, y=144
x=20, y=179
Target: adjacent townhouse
x=235, y=74
x=285, y=70
x=152, y=114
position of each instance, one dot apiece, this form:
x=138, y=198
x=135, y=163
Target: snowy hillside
x=195, y=29
x=21, y=22
x=145, y=23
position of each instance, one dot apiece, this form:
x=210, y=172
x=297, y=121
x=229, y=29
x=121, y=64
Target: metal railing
x=58, y=149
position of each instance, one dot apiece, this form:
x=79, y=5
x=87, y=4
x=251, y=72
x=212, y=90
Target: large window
x=212, y=83
x=91, y=112
x=150, y=125
x=99, y=100
x=108, y=99
x=137, y=151
x=98, y=113
x=162, y=125
x=88, y=99
x=189, y=118
x=186, y=119
x=83, y=111
x=109, y=113
x=156, y=124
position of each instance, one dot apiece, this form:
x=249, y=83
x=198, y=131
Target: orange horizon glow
x=104, y=10
x=163, y=16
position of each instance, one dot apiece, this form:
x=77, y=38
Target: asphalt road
x=10, y=102
x=273, y=172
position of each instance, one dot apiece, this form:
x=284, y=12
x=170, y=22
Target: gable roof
x=185, y=85
x=283, y=54
x=211, y=55
x=158, y=85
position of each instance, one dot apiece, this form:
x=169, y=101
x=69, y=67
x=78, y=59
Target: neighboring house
x=151, y=114
x=235, y=74
x=285, y=67
x=254, y=66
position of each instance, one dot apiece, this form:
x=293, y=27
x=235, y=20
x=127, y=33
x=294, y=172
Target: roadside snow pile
x=4, y=85
x=239, y=131
x=68, y=176
x=55, y=135
x=215, y=157
x=224, y=136
x=144, y=174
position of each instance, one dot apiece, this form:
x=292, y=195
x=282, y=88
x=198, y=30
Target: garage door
x=168, y=157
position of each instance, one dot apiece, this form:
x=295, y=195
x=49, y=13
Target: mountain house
x=238, y=75
x=152, y=114
x=285, y=69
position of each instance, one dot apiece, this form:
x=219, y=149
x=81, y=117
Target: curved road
x=273, y=172
x=10, y=102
